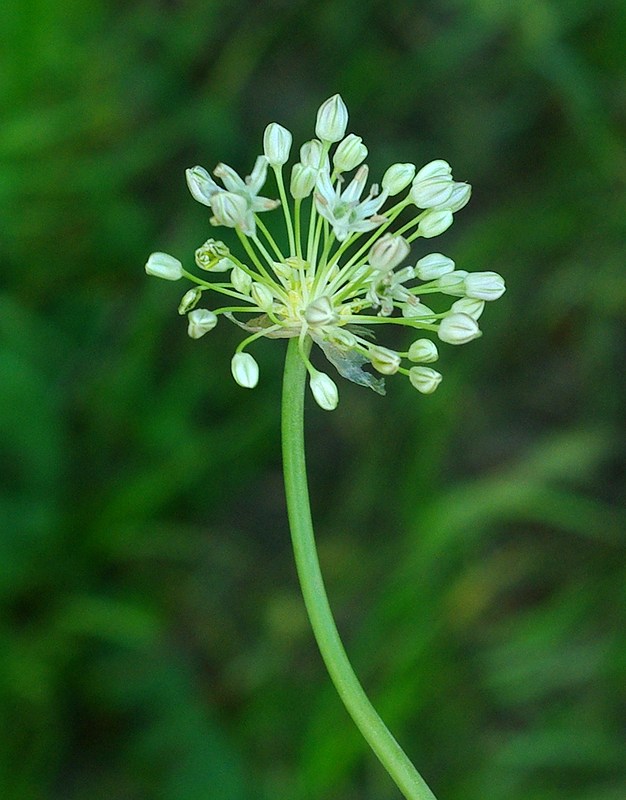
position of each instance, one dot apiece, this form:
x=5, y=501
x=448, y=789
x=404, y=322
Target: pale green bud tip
x=424, y=379
x=332, y=120
x=349, y=153
x=324, y=391
x=423, y=351
x=162, y=265
x=245, y=370
x=458, y=329
x=484, y=285
x=277, y=144
x=397, y=178
x=189, y=300
x=433, y=266
x=200, y=321
x=435, y=222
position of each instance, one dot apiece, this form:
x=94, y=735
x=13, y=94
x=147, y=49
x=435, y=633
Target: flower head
x=348, y=274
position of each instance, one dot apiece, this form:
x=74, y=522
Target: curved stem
x=393, y=758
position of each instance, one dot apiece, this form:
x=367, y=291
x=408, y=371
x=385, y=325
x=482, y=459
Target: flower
x=236, y=204
x=347, y=275
x=345, y=211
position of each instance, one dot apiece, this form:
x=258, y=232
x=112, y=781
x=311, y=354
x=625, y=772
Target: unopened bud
x=453, y=283
x=424, y=379
x=458, y=329
x=349, y=153
x=277, y=144
x=201, y=321
x=434, y=169
x=388, y=252
x=434, y=222
x=302, y=181
x=320, y=312
x=324, y=391
x=262, y=296
x=484, y=285
x=162, y=265
x=245, y=370
x=240, y=280
x=433, y=192
x=433, y=266
x=189, y=300
x=332, y=119
x=423, y=351
x=468, y=305
x=384, y=361
x=459, y=198
x=397, y=178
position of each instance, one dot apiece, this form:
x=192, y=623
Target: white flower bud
x=432, y=193
x=312, y=155
x=349, y=153
x=484, y=285
x=388, y=252
x=343, y=338
x=302, y=181
x=201, y=185
x=433, y=266
x=162, y=265
x=417, y=310
x=189, y=300
x=437, y=168
x=424, y=379
x=240, y=280
x=468, y=305
x=332, y=119
x=201, y=321
x=277, y=144
x=384, y=361
x=423, y=350
x=434, y=222
x=324, y=391
x=453, y=283
x=459, y=198
x=262, y=296
x=397, y=178
x=245, y=370
x=320, y=312
x=458, y=329
x=229, y=209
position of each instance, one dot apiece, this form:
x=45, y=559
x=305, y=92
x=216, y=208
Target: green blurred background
x=153, y=644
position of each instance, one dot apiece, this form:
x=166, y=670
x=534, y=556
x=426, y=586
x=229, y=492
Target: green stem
x=393, y=758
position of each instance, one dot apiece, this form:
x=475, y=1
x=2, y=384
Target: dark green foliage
x=152, y=640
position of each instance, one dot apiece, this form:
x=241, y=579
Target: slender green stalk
x=393, y=758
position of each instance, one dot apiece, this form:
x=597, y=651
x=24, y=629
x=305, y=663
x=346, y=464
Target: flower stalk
x=374, y=730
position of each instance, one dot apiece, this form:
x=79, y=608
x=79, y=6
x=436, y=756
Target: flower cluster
x=343, y=270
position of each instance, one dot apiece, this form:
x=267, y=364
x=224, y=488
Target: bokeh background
x=153, y=643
